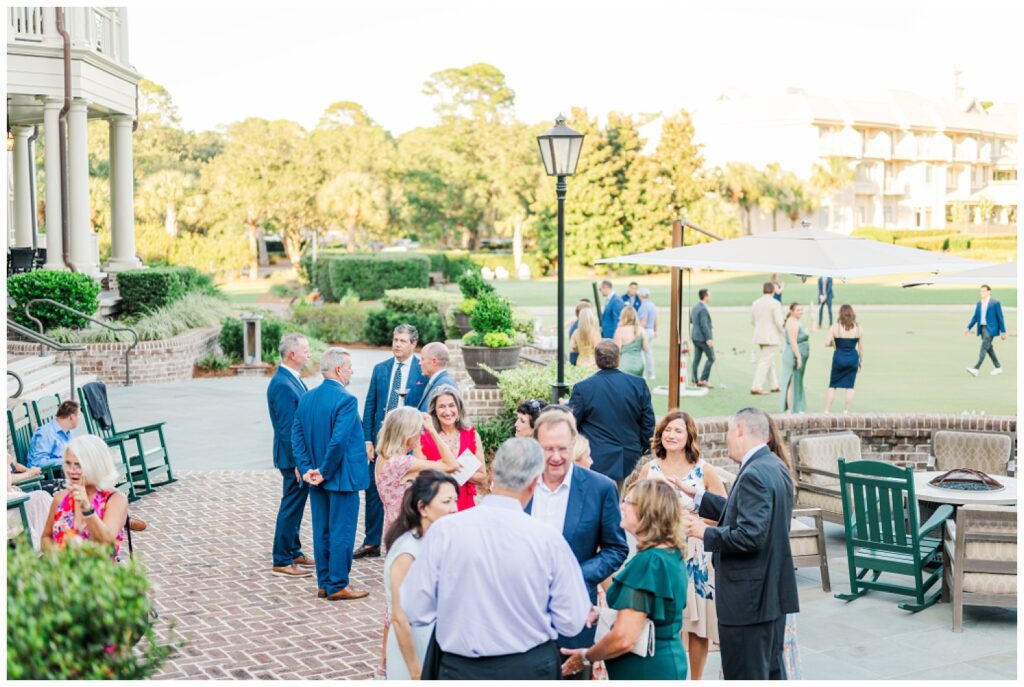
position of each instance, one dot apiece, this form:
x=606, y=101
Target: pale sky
x=224, y=64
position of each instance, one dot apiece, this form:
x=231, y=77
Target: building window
x=865, y=172
x=1004, y=175
x=890, y=215
x=951, y=177
x=928, y=174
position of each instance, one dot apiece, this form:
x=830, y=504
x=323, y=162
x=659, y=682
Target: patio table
x=1007, y=496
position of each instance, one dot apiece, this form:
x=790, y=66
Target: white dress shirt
x=294, y=373
x=984, y=308
x=700, y=485
x=549, y=506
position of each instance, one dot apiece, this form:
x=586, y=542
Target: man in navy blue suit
x=632, y=295
x=988, y=316
x=613, y=411
x=283, y=393
x=433, y=373
x=583, y=506
x=612, y=309
x=328, y=447
x=824, y=299
x=393, y=379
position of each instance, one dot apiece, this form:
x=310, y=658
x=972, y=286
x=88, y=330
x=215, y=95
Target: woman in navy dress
x=848, y=338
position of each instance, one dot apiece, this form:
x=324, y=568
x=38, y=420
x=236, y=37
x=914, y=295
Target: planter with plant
x=472, y=287
x=493, y=343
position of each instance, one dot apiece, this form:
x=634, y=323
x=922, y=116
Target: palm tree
x=741, y=183
x=830, y=178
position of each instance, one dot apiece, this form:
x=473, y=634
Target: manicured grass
x=730, y=288
x=914, y=362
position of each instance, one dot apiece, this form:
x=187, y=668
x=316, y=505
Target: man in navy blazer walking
x=583, y=506
x=988, y=316
x=433, y=373
x=392, y=379
x=612, y=309
x=283, y=394
x=328, y=446
x=825, y=296
x=613, y=411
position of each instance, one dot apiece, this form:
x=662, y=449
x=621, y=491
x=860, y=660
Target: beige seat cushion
x=802, y=546
x=988, y=452
x=823, y=453
x=810, y=499
x=990, y=583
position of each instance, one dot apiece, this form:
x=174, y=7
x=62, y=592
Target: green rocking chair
x=883, y=536
x=19, y=424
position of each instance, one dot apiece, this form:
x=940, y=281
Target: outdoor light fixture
x=560, y=151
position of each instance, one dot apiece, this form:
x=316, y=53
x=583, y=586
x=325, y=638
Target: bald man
x=434, y=372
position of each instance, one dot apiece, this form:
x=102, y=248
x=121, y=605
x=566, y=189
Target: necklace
x=451, y=440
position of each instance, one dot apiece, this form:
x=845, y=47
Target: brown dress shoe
x=348, y=594
x=758, y=392
x=290, y=571
x=304, y=561
x=365, y=551
x=321, y=593
x=136, y=524
x=776, y=390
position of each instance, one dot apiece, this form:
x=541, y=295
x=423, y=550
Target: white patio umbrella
x=1004, y=273
x=804, y=251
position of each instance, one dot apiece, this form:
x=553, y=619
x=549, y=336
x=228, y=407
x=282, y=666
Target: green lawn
x=732, y=289
x=913, y=362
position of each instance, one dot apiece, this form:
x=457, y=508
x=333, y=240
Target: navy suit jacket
x=377, y=395
x=610, y=316
x=825, y=288
x=424, y=387
x=594, y=532
x=634, y=301
x=283, y=395
x=613, y=410
x=327, y=435
x=993, y=318
x=754, y=576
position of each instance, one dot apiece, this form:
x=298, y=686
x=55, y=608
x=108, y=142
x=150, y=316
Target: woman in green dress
x=794, y=360
x=632, y=341
x=652, y=585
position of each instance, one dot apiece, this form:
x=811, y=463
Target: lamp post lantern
x=560, y=151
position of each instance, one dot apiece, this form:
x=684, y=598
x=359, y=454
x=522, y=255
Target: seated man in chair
x=49, y=441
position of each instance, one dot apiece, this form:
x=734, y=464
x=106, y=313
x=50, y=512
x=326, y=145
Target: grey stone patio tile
x=821, y=666
x=957, y=671
x=1002, y=664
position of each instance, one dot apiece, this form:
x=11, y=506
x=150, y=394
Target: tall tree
x=829, y=179
x=741, y=184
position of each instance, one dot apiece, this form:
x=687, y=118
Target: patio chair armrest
x=30, y=484
x=155, y=427
x=940, y=516
x=931, y=463
x=806, y=512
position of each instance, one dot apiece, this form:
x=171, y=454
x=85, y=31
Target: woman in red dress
x=450, y=435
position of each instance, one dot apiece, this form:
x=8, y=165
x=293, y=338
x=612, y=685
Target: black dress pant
x=753, y=652
x=543, y=662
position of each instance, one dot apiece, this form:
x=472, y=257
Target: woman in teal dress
x=652, y=585
x=794, y=360
x=632, y=342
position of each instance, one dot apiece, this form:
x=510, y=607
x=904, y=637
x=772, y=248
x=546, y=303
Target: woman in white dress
x=677, y=460
x=432, y=495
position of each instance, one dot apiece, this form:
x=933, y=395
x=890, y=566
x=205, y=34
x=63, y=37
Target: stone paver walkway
x=208, y=554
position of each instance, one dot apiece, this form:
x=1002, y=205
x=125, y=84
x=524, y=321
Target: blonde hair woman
x=90, y=508
x=632, y=342
x=585, y=338
x=651, y=586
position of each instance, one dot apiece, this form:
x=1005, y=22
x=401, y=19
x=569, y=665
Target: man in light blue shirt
x=48, y=443
x=495, y=619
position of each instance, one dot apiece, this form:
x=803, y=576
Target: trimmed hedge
x=332, y=322
x=371, y=275
x=75, y=290
x=453, y=264
x=146, y=290
x=233, y=344
x=380, y=325
x=423, y=301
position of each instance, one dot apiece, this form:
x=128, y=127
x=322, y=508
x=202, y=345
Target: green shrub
x=194, y=311
x=214, y=362
x=523, y=322
x=289, y=290
x=472, y=338
x=371, y=275
x=233, y=344
x=492, y=313
x=305, y=270
x=334, y=322
x=149, y=289
x=423, y=301
x=72, y=614
x=322, y=282
x=495, y=431
x=75, y=290
x=380, y=326
x=473, y=286
x=532, y=381
x=467, y=305
x=498, y=340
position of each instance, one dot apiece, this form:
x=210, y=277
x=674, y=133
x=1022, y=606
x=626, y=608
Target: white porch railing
x=101, y=29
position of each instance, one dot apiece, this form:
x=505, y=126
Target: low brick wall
x=166, y=360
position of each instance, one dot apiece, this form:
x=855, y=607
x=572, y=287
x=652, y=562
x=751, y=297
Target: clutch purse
x=645, y=642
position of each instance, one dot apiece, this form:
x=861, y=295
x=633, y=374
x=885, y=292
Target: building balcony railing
x=100, y=29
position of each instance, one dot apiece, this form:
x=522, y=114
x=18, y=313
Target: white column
x=22, y=187
x=51, y=177
x=82, y=253
x=122, y=197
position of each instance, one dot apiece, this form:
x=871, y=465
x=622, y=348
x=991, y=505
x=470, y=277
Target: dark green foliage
x=473, y=286
x=425, y=301
x=73, y=614
x=371, y=275
x=233, y=345
x=495, y=431
x=492, y=314
x=322, y=281
x=78, y=291
x=453, y=264
x=147, y=290
x=335, y=323
x=380, y=325
x=305, y=270
x=213, y=362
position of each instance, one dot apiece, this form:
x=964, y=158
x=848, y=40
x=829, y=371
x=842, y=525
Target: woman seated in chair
x=90, y=508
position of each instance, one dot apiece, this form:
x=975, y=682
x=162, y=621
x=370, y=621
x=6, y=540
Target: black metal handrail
x=21, y=384
x=46, y=341
x=128, y=351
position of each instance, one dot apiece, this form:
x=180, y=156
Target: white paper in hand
x=468, y=464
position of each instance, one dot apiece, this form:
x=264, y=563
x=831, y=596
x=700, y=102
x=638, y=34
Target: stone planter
x=495, y=358
x=462, y=322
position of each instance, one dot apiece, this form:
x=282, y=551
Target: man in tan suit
x=766, y=316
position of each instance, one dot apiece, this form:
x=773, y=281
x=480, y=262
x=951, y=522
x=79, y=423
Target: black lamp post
x=560, y=151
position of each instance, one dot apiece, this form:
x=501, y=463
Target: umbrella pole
x=675, y=317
